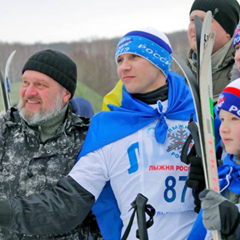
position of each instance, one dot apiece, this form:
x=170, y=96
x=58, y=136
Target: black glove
x=195, y=179
x=197, y=201
x=219, y=213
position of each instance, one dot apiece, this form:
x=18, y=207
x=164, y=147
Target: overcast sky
x=47, y=21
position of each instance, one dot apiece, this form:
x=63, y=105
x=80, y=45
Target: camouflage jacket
x=28, y=165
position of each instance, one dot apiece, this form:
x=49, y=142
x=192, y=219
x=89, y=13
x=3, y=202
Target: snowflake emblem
x=177, y=139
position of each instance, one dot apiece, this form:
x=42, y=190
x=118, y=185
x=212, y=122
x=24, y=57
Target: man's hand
x=195, y=179
x=219, y=213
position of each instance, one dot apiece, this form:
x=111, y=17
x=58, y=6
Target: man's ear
x=228, y=36
x=66, y=96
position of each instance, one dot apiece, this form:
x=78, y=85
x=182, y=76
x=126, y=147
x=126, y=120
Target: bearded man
x=41, y=138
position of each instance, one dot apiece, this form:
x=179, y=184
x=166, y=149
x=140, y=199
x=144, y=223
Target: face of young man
x=221, y=38
x=40, y=96
x=138, y=74
x=230, y=131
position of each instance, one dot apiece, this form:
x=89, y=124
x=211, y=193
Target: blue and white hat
x=236, y=36
x=150, y=44
x=229, y=99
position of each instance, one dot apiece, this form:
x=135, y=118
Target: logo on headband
x=229, y=103
x=236, y=40
x=125, y=42
x=221, y=101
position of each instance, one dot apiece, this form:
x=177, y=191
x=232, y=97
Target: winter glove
x=219, y=213
x=195, y=179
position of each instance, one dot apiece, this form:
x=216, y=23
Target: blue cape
x=121, y=121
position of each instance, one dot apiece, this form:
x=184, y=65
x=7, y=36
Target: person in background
x=226, y=18
x=136, y=147
x=235, y=73
x=82, y=107
x=42, y=137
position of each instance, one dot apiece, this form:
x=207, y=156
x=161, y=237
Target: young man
x=226, y=18
x=41, y=139
x=135, y=147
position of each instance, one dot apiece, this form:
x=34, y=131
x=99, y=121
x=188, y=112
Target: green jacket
x=222, y=63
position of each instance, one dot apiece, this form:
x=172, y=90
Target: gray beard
x=41, y=115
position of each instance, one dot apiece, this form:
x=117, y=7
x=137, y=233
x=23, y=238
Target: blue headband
x=229, y=100
x=148, y=46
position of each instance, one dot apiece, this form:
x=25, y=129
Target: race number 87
x=170, y=192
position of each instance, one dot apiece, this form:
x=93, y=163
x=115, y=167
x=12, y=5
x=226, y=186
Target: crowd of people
x=66, y=173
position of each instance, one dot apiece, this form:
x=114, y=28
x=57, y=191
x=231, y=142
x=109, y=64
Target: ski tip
x=8, y=63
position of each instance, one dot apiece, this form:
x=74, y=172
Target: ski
x=201, y=89
x=205, y=90
x=198, y=30
x=209, y=158
x=7, y=79
x=202, y=31
x=3, y=93
x=206, y=127
x=205, y=31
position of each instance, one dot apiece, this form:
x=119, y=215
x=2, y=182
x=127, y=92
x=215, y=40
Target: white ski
x=205, y=31
x=7, y=79
x=206, y=102
x=201, y=89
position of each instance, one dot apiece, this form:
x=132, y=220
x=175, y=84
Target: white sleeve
x=91, y=172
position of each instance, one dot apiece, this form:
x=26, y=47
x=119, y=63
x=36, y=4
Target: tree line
x=94, y=59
